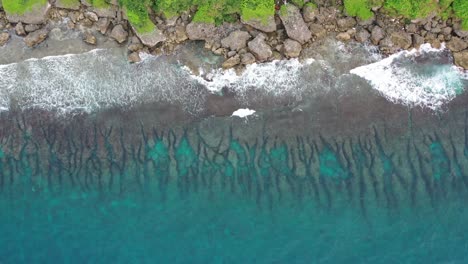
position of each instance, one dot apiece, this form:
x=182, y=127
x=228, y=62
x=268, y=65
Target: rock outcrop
x=152, y=38
x=260, y=48
x=266, y=25
x=35, y=38
x=237, y=40
x=461, y=59
x=4, y=37
x=294, y=24
x=291, y=48
x=200, y=31
x=119, y=34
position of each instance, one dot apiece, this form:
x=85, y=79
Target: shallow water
x=109, y=162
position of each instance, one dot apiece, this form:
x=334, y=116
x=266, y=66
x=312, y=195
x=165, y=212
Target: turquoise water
x=84, y=191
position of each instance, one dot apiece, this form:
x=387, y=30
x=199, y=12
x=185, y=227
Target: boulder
x=346, y=23
x=310, y=12
x=152, y=38
x=119, y=34
x=91, y=16
x=457, y=44
x=401, y=40
x=37, y=15
x=318, y=30
x=134, y=57
x=89, y=38
x=135, y=44
x=260, y=48
x=267, y=25
x=19, y=28
x=344, y=36
x=362, y=35
x=237, y=40
x=103, y=24
x=417, y=40
x=461, y=59
x=68, y=4
x=4, y=37
x=294, y=24
x=180, y=34
x=377, y=34
x=231, y=62
x=36, y=37
x=291, y=48
x=31, y=27
x=109, y=12
x=247, y=58
x=200, y=31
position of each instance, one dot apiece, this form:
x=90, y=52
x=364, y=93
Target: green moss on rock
x=20, y=7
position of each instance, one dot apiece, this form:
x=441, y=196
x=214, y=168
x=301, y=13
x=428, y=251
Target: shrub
x=460, y=9
x=257, y=9
x=411, y=8
x=137, y=13
x=358, y=8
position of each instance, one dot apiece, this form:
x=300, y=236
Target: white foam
x=94, y=80
x=401, y=80
x=277, y=76
x=243, y=112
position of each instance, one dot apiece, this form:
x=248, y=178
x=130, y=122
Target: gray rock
x=89, y=38
x=461, y=59
x=346, y=23
x=447, y=30
x=86, y=2
x=91, y=16
x=180, y=34
x=134, y=57
x=457, y=44
x=291, y=48
x=377, y=34
x=36, y=37
x=103, y=24
x=247, y=58
x=318, y=30
x=236, y=40
x=260, y=48
x=31, y=27
x=362, y=35
x=119, y=34
x=152, y=38
x=172, y=21
x=135, y=44
x=366, y=22
x=461, y=33
x=109, y=12
x=310, y=12
x=4, y=37
x=344, y=36
x=231, y=62
x=19, y=28
x=417, y=40
x=74, y=5
x=200, y=31
x=269, y=25
x=401, y=40
x=37, y=15
x=294, y=24
x=411, y=28
x=231, y=53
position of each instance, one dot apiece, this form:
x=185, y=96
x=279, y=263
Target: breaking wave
x=421, y=77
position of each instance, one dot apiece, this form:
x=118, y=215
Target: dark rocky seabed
x=327, y=171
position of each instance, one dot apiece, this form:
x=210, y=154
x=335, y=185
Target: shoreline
x=242, y=42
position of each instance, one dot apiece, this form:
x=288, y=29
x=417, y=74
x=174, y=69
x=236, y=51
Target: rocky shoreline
x=243, y=42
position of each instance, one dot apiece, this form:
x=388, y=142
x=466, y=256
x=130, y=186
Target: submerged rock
x=36, y=37
x=4, y=37
x=291, y=48
x=260, y=48
x=461, y=59
x=119, y=34
x=294, y=24
x=237, y=40
x=19, y=28
x=200, y=31
x=89, y=38
x=267, y=25
x=134, y=57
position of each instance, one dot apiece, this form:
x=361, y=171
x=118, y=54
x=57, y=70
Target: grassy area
x=70, y=3
x=137, y=13
x=257, y=9
x=358, y=8
x=21, y=6
x=460, y=9
x=99, y=3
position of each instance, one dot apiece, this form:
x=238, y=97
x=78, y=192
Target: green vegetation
x=460, y=8
x=70, y=3
x=411, y=8
x=99, y=3
x=358, y=8
x=21, y=6
x=257, y=9
x=137, y=13
x=312, y=5
x=298, y=3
